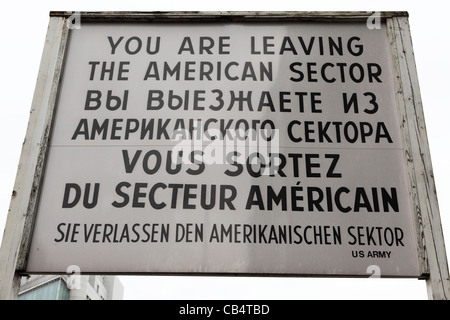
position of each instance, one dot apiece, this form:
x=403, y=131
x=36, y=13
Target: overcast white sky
x=23, y=27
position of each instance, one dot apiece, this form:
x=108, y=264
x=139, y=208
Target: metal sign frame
x=25, y=197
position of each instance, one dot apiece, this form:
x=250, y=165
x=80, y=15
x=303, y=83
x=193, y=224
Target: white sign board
x=226, y=148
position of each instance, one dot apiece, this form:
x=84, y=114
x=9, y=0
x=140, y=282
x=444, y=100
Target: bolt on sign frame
x=347, y=191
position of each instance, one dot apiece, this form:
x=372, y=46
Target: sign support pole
x=24, y=199
x=417, y=154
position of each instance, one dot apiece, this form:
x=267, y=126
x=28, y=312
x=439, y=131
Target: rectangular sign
x=250, y=148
